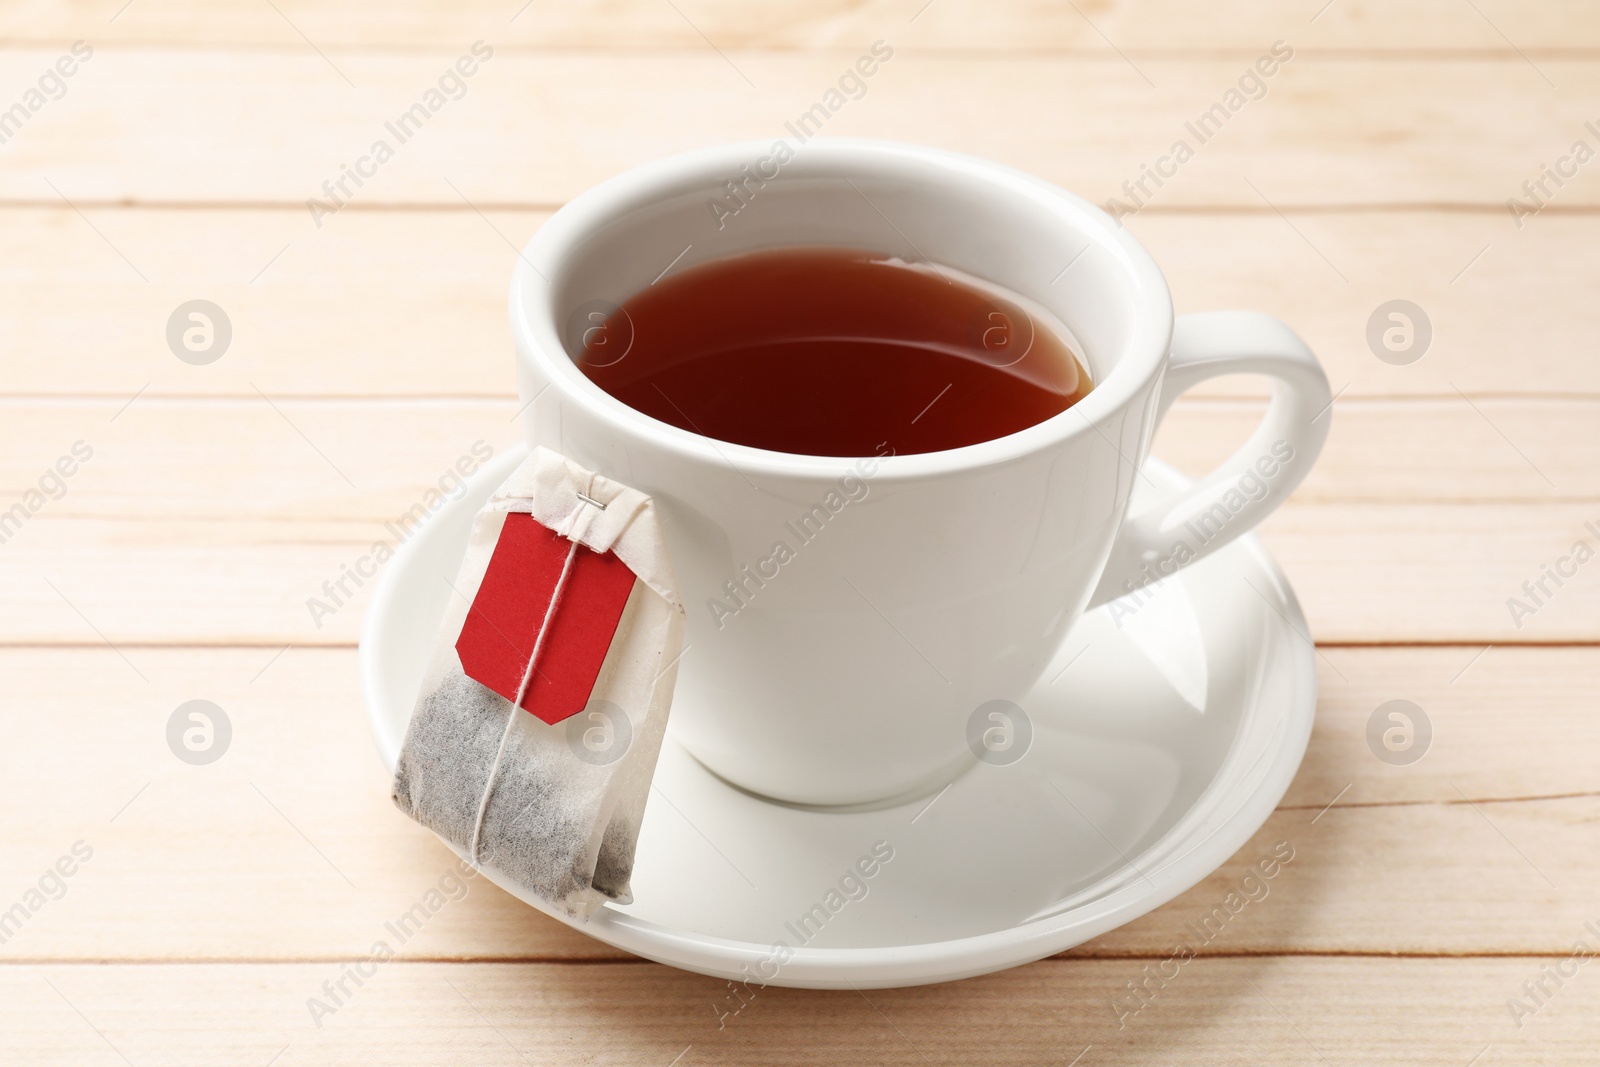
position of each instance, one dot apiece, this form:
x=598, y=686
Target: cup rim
x=535, y=328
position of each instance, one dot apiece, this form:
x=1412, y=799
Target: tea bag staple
x=512, y=760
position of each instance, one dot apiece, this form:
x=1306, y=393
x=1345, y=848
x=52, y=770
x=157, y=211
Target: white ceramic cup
x=849, y=669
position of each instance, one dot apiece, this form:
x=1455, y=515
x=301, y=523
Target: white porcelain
x=851, y=673
x=1166, y=730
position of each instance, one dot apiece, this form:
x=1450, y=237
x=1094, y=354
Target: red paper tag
x=512, y=607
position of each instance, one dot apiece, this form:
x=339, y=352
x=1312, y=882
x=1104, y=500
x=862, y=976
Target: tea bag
x=537, y=728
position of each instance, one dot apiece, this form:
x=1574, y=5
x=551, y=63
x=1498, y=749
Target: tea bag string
x=572, y=533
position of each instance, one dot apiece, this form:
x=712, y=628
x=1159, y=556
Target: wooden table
x=369, y=350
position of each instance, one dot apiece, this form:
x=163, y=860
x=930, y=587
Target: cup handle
x=1253, y=481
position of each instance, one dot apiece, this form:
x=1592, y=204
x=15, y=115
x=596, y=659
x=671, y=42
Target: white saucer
x=1160, y=747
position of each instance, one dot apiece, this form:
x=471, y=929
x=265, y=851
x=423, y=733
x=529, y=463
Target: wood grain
x=286, y=459
x=288, y=848
x=409, y=303
x=1223, y=1011
x=1422, y=26
x=214, y=521
x=1386, y=573
x=370, y=353
x=160, y=125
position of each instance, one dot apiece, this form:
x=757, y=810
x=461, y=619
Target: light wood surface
x=1423, y=26
x=372, y=351
x=160, y=124
x=1288, y=1010
x=393, y=289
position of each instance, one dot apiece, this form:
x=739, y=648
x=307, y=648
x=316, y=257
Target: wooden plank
x=167, y=124
x=1421, y=25
x=392, y=303
x=291, y=831
x=285, y=459
x=1495, y=296
x=1333, y=898
x=247, y=858
x=1364, y=572
x=1438, y=573
x=210, y=519
x=260, y=458
x=1508, y=701
x=414, y=302
x=1227, y=1011
x=1502, y=450
x=217, y=521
